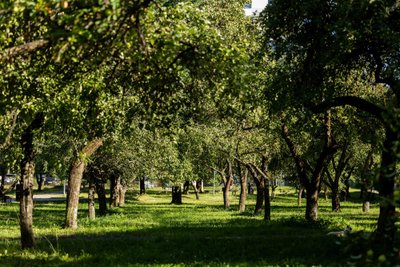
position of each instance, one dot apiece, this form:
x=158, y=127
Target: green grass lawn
x=150, y=231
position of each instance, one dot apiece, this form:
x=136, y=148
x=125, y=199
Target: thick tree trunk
x=101, y=193
x=335, y=198
x=91, y=200
x=74, y=183
x=312, y=204
x=142, y=186
x=225, y=192
x=27, y=176
x=176, y=195
x=385, y=233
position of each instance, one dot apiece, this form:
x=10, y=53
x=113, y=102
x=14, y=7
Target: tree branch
x=15, y=51
x=353, y=101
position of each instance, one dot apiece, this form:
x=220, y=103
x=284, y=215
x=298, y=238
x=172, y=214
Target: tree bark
x=299, y=196
x=39, y=180
x=75, y=181
x=101, y=193
x=194, y=184
x=243, y=191
x=91, y=200
x=115, y=189
x=27, y=176
x=176, y=195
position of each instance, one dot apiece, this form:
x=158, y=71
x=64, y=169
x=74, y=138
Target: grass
x=149, y=231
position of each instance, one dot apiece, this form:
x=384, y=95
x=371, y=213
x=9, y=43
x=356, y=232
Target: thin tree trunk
x=75, y=181
x=299, y=196
x=91, y=200
x=101, y=193
x=243, y=191
x=267, y=200
x=27, y=176
x=40, y=181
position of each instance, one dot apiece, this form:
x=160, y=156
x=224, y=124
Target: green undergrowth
x=147, y=230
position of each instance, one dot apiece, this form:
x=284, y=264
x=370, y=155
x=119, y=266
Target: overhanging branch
x=353, y=101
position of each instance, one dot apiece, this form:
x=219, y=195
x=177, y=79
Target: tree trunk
x=267, y=212
x=186, y=188
x=91, y=200
x=142, y=186
x=335, y=198
x=27, y=176
x=3, y=173
x=176, y=195
x=260, y=195
x=121, y=194
x=200, y=186
x=115, y=185
x=101, y=193
x=312, y=204
x=194, y=184
x=39, y=180
x=365, y=206
x=385, y=232
x=75, y=180
x=299, y=196
x=243, y=191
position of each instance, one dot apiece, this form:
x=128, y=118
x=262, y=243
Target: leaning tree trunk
x=75, y=180
x=27, y=176
x=194, y=184
x=386, y=230
x=142, y=186
x=101, y=193
x=91, y=200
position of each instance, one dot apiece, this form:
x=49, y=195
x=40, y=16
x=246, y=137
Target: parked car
x=10, y=178
x=52, y=181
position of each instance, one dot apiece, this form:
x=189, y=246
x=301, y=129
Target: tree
x=328, y=41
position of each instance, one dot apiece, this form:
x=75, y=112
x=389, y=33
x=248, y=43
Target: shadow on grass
x=241, y=241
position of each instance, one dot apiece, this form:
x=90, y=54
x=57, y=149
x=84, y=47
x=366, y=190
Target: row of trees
x=177, y=90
